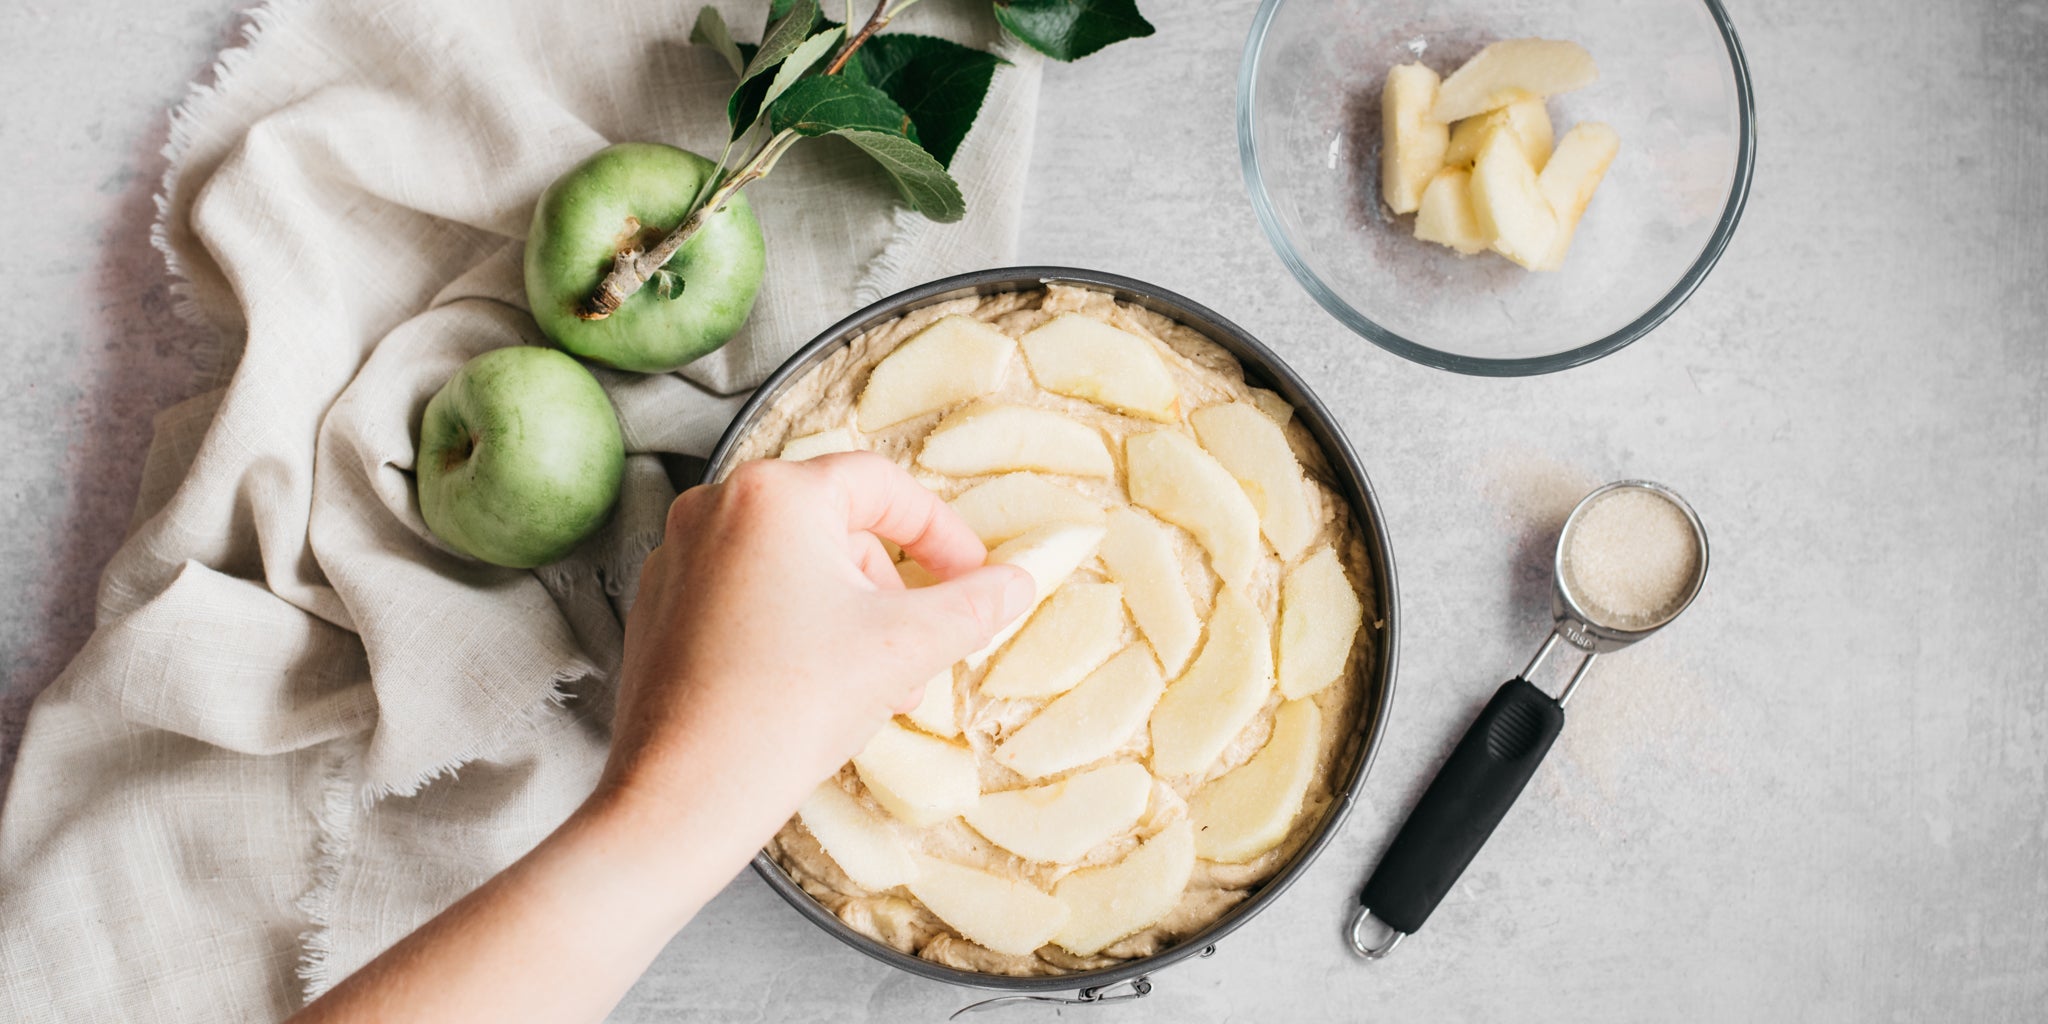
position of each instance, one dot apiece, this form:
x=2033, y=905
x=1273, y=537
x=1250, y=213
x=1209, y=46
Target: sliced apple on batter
x=1248, y=811
x=1320, y=616
x=1077, y=629
x=920, y=779
x=1061, y=821
x=824, y=442
x=1412, y=137
x=1170, y=475
x=864, y=846
x=1511, y=71
x=1139, y=554
x=1006, y=915
x=994, y=438
x=955, y=359
x=1570, y=178
x=1446, y=216
x=1509, y=205
x=1089, y=722
x=1528, y=120
x=938, y=712
x=1076, y=355
x=1107, y=903
x=1254, y=450
x=1220, y=692
x=1050, y=554
x=1016, y=503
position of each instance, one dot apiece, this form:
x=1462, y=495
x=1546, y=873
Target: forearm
x=561, y=934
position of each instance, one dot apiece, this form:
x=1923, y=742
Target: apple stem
x=633, y=268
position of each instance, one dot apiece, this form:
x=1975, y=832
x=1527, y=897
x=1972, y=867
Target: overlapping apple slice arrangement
x=1234, y=482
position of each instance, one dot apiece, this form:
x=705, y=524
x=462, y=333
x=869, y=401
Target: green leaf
x=711, y=31
x=823, y=104
x=923, y=183
x=800, y=61
x=782, y=39
x=744, y=105
x=939, y=83
x=1072, y=29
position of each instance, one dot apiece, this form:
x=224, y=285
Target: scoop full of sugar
x=1631, y=558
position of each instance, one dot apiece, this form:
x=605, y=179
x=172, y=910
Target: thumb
x=959, y=616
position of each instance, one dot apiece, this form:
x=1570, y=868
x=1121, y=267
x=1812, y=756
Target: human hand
x=772, y=636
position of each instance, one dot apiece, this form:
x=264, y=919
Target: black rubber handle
x=1470, y=795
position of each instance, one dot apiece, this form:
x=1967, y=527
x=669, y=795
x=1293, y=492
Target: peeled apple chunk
x=1247, y=812
x=1006, y=915
x=1016, y=503
x=1170, y=475
x=1107, y=903
x=1570, y=177
x=864, y=846
x=1139, y=554
x=1061, y=821
x=919, y=779
x=992, y=438
x=1050, y=554
x=1509, y=205
x=1446, y=217
x=1511, y=71
x=1320, y=616
x=1412, y=139
x=1079, y=356
x=1220, y=693
x=1254, y=450
x=1528, y=120
x=824, y=442
x=1089, y=722
x=1078, y=628
x=949, y=362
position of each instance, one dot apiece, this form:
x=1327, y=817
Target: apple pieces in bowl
x=1474, y=157
x=1163, y=730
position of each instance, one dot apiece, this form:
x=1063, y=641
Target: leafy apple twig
x=905, y=100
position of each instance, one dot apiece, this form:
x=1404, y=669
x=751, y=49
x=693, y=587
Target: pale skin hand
x=771, y=637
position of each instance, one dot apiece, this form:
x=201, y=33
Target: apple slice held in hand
x=864, y=846
x=1089, y=722
x=1008, y=506
x=1107, y=903
x=1203, y=710
x=954, y=359
x=1077, y=629
x=1076, y=355
x=1511, y=71
x=1006, y=915
x=1050, y=554
x=1412, y=139
x=1060, y=822
x=1171, y=476
x=1320, y=616
x=1139, y=554
x=824, y=442
x=1248, y=811
x=920, y=779
x=993, y=438
x=1254, y=449
x=938, y=711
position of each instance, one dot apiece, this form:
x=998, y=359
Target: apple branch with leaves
x=905, y=100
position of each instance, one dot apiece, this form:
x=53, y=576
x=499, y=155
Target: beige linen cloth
x=302, y=726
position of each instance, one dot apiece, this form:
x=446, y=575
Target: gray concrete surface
x=1822, y=796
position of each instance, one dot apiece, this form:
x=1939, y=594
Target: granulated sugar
x=1631, y=557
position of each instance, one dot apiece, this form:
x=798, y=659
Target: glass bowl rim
x=1481, y=366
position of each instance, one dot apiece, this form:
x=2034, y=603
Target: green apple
x=627, y=195
x=520, y=457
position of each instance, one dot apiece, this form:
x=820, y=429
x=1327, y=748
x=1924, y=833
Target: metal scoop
x=1501, y=750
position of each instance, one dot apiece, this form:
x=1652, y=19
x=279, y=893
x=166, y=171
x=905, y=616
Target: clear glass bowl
x=1673, y=84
